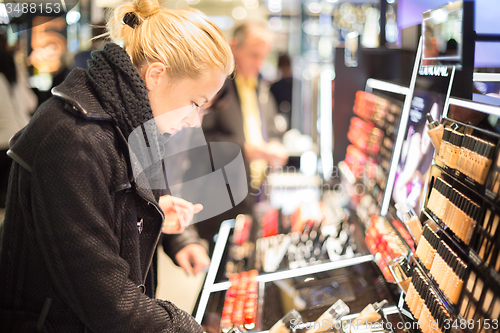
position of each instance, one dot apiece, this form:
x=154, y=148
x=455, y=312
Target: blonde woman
x=79, y=231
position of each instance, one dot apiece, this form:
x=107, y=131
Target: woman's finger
x=198, y=208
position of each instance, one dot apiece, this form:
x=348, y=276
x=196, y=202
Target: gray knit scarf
x=124, y=97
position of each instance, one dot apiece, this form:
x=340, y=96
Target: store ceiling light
x=275, y=23
x=251, y=4
x=223, y=21
x=274, y=6
x=239, y=13
x=72, y=17
x=314, y=8
x=439, y=16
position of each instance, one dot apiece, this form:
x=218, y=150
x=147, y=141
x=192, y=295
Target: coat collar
x=78, y=91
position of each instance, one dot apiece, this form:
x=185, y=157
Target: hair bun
x=146, y=8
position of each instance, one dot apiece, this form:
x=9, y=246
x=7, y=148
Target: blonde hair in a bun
x=184, y=40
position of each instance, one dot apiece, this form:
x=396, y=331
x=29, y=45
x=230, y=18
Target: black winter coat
x=79, y=235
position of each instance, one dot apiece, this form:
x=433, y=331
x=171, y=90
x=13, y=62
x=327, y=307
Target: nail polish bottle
x=456, y=144
x=444, y=266
x=406, y=213
x=449, y=190
x=442, y=200
x=479, y=147
x=440, y=197
x=453, y=261
x=416, y=295
x=449, y=206
x=435, y=263
x=424, y=314
x=420, y=301
x=476, y=212
x=463, y=153
x=410, y=293
x=423, y=246
x=461, y=227
x=435, y=131
x=457, y=288
x=432, y=240
x=444, y=144
x=431, y=202
x=468, y=156
x=455, y=211
x=447, y=289
x=486, y=160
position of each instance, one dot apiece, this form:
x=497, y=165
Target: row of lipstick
x=240, y=304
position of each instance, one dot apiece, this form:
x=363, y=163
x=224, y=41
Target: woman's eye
x=195, y=105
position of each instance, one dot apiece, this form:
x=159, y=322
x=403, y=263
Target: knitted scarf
x=124, y=97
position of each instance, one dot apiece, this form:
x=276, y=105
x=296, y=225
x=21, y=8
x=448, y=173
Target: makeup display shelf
x=456, y=267
x=310, y=290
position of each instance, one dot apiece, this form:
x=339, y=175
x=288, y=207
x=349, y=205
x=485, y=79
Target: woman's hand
x=178, y=213
x=193, y=258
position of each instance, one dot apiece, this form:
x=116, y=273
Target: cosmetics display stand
x=311, y=289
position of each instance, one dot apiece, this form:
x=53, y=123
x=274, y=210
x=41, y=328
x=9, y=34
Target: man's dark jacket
x=79, y=235
x=225, y=124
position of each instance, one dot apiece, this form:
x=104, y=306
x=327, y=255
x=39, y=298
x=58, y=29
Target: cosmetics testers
x=443, y=264
x=425, y=305
x=454, y=209
x=467, y=154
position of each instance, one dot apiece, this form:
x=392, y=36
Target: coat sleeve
x=172, y=244
x=73, y=218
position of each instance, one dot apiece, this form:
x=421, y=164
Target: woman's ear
x=154, y=73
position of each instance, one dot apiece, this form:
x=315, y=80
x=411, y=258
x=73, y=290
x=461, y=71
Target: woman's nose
x=190, y=120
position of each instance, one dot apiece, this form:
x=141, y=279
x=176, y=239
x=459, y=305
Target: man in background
x=244, y=113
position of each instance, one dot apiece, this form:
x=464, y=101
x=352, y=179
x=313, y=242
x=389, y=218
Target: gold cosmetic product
x=455, y=145
x=287, y=322
x=447, y=191
x=449, y=206
x=437, y=261
x=406, y=213
x=435, y=131
x=330, y=318
x=465, y=150
x=400, y=269
x=485, y=162
x=424, y=319
x=426, y=249
x=471, y=225
x=443, y=149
